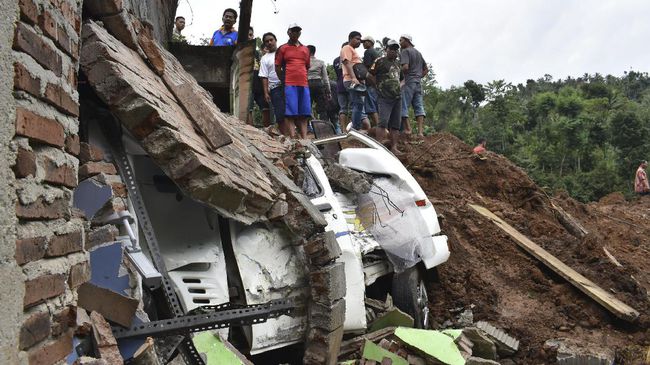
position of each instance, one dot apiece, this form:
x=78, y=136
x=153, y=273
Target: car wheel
x=410, y=295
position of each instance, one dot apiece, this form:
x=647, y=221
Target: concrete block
x=328, y=284
x=323, y=346
x=325, y=317
x=484, y=347
x=506, y=345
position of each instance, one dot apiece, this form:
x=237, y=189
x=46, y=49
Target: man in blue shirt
x=226, y=35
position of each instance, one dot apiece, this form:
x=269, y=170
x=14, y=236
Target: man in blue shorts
x=291, y=64
x=226, y=35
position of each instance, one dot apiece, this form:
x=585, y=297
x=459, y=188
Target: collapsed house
x=70, y=189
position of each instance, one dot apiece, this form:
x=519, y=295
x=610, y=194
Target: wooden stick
x=611, y=257
x=611, y=303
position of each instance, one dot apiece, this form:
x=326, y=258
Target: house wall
x=44, y=259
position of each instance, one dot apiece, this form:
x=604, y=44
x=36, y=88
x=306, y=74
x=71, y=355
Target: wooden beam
x=615, y=306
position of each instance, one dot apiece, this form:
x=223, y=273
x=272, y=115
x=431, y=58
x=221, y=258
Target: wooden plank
x=615, y=306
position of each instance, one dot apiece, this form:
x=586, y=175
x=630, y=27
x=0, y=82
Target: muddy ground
x=513, y=290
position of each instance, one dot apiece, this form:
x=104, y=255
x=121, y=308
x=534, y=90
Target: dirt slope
x=512, y=289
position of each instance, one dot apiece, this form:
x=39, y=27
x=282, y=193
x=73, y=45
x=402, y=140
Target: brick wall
x=50, y=235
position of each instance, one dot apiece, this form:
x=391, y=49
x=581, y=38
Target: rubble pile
x=488, y=274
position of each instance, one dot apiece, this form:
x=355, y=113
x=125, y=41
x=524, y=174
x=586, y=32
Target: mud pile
x=500, y=283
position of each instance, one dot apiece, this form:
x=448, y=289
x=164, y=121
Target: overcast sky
x=481, y=40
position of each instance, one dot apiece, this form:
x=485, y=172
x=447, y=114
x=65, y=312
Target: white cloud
x=481, y=40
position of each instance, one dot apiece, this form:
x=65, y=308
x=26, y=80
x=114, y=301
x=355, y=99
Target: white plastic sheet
x=391, y=216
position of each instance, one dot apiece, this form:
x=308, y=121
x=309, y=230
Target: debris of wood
x=146, y=354
x=113, y=306
x=354, y=344
x=371, y=351
x=568, y=221
x=585, y=285
x=506, y=344
x=611, y=257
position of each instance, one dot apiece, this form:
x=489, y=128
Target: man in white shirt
x=273, y=92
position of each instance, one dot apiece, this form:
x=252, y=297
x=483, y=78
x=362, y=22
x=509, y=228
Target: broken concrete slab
x=506, y=344
x=327, y=317
x=480, y=361
x=433, y=344
x=570, y=353
x=392, y=318
x=328, y=284
x=113, y=306
x=483, y=347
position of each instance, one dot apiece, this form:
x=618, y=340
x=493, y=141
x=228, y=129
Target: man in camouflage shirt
x=386, y=71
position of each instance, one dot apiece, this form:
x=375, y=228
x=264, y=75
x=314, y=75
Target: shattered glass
x=389, y=213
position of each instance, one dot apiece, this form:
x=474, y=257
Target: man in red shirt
x=291, y=65
x=641, y=185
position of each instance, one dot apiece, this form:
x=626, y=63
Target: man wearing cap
x=356, y=90
x=369, y=56
x=226, y=35
x=386, y=71
x=414, y=69
x=292, y=64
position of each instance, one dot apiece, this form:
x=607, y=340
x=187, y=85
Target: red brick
x=67, y=43
x=71, y=15
x=72, y=144
x=39, y=128
x=119, y=189
x=52, y=352
x=60, y=98
x=93, y=168
x=48, y=24
x=23, y=80
x=79, y=274
x=64, y=320
x=25, y=163
x=64, y=244
x=60, y=175
x=43, y=287
x=88, y=152
x=35, y=329
x=28, y=11
x=30, y=249
x=28, y=41
x=41, y=209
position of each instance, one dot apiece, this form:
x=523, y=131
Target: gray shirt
x=318, y=70
x=413, y=58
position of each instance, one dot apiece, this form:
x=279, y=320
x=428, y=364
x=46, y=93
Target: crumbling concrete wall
x=49, y=235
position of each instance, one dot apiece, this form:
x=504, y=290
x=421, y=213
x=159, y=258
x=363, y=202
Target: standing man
x=414, y=68
x=356, y=89
x=641, y=185
x=386, y=71
x=271, y=85
x=369, y=56
x=226, y=35
x=342, y=95
x=319, y=83
x=291, y=64
x=257, y=90
x=179, y=25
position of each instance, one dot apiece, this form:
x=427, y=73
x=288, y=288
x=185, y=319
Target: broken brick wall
x=48, y=247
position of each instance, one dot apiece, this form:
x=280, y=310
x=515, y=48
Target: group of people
x=377, y=90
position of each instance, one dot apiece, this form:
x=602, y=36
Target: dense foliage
x=585, y=135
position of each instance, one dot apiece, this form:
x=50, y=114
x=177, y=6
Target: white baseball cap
x=407, y=36
x=368, y=38
x=294, y=25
